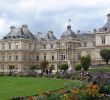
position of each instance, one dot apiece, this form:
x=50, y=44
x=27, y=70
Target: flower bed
x=97, y=87
x=89, y=91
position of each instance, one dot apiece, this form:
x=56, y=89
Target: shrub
x=105, y=88
x=105, y=54
x=44, y=65
x=77, y=67
x=63, y=67
x=85, y=62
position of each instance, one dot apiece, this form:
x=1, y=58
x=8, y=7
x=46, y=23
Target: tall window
x=16, y=46
x=103, y=40
x=51, y=46
x=25, y=46
x=9, y=58
x=16, y=68
x=44, y=46
x=37, y=58
x=3, y=58
x=30, y=57
x=44, y=56
x=24, y=56
x=2, y=68
x=30, y=46
x=16, y=57
x=79, y=56
x=52, y=57
x=94, y=43
x=85, y=44
x=63, y=57
x=9, y=45
x=3, y=46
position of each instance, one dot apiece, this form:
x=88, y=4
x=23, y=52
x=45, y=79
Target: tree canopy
x=11, y=67
x=44, y=65
x=33, y=67
x=105, y=54
x=63, y=67
x=85, y=62
x=77, y=67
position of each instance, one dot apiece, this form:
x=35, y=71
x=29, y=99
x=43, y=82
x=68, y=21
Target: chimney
x=108, y=17
x=50, y=33
x=24, y=26
x=12, y=28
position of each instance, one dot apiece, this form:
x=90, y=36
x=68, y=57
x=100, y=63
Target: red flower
x=70, y=98
x=75, y=98
x=30, y=98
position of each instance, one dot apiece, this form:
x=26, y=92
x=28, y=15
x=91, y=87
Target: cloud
x=44, y=15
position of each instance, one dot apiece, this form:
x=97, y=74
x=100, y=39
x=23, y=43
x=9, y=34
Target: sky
x=53, y=15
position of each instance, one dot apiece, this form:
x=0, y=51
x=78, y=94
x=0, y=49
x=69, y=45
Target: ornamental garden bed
x=91, y=91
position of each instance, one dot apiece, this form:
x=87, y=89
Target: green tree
x=44, y=65
x=63, y=67
x=11, y=67
x=85, y=62
x=51, y=68
x=77, y=67
x=33, y=67
x=105, y=54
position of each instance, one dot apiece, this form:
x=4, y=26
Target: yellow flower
x=75, y=91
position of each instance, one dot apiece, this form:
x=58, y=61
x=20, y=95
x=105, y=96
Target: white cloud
x=43, y=15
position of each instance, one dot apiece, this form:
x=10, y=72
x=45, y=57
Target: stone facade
x=21, y=48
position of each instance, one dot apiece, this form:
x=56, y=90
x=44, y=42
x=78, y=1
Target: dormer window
x=105, y=29
x=5, y=37
x=13, y=37
x=9, y=37
x=22, y=36
x=18, y=36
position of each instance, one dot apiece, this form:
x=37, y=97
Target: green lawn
x=25, y=86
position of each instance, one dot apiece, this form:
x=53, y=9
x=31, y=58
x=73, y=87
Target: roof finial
x=69, y=25
x=69, y=22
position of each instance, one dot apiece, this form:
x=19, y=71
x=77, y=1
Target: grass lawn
x=25, y=86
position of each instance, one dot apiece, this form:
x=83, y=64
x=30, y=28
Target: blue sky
x=45, y=15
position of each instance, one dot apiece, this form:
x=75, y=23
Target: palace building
x=21, y=48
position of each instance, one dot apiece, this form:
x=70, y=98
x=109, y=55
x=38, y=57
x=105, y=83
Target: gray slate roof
x=21, y=32
x=86, y=35
x=40, y=36
x=106, y=27
x=50, y=36
x=68, y=33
